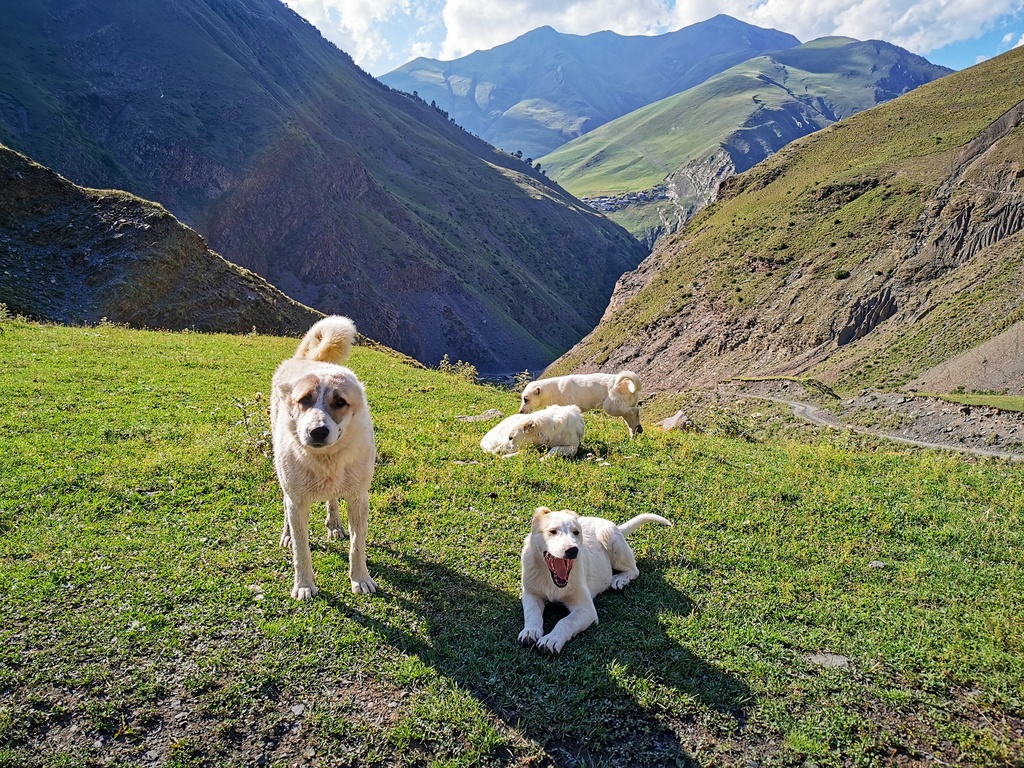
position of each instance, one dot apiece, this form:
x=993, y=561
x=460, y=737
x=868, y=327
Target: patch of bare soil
x=927, y=422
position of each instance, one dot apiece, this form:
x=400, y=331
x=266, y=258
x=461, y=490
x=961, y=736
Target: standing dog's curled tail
x=631, y=525
x=329, y=341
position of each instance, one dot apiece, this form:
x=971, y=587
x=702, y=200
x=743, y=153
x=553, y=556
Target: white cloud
x=473, y=25
x=382, y=34
x=1020, y=42
x=918, y=25
x=353, y=25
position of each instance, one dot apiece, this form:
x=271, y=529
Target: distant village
x=611, y=203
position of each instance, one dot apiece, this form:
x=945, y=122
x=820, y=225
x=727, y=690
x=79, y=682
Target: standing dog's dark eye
x=338, y=403
x=307, y=400
x=575, y=533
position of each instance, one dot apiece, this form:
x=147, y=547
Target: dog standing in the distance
x=570, y=559
x=323, y=448
x=557, y=428
x=617, y=394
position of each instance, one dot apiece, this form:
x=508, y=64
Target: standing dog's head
x=559, y=536
x=320, y=405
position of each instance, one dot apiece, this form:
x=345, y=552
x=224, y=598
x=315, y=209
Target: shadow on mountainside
x=582, y=705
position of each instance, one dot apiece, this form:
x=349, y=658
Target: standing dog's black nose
x=319, y=435
x=571, y=553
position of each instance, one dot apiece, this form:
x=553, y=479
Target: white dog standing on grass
x=559, y=428
x=617, y=394
x=570, y=559
x=323, y=448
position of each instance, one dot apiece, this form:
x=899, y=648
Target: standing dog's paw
x=304, y=593
x=286, y=538
x=333, y=534
x=529, y=637
x=364, y=587
x=550, y=644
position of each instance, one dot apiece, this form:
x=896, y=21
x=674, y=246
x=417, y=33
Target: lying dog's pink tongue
x=559, y=568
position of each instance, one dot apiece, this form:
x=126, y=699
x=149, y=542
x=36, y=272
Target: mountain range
x=878, y=252
x=244, y=123
x=544, y=88
x=690, y=142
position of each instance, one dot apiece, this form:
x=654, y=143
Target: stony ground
x=917, y=420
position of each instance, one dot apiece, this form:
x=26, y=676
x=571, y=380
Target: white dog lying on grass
x=323, y=448
x=558, y=428
x=570, y=559
x=615, y=394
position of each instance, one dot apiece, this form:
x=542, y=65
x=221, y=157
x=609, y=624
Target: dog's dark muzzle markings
x=559, y=567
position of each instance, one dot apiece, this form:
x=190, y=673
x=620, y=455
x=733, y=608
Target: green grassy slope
x=813, y=603
x=246, y=124
x=766, y=101
x=864, y=254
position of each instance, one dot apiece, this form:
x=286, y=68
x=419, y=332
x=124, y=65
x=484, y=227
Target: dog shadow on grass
x=622, y=692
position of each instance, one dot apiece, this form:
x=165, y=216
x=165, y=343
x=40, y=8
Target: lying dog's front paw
x=529, y=637
x=619, y=581
x=364, y=587
x=304, y=592
x=549, y=644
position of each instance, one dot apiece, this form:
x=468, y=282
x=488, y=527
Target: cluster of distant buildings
x=611, y=203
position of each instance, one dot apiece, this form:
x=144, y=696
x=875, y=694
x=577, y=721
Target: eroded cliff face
x=929, y=271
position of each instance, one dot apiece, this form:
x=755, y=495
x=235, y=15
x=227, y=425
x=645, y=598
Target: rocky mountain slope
x=690, y=142
x=265, y=138
x=75, y=255
x=866, y=254
x=545, y=88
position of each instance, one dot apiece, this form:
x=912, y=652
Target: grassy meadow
x=814, y=604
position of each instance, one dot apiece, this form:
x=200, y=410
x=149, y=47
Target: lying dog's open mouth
x=559, y=568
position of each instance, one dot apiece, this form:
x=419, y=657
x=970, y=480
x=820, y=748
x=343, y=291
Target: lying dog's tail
x=329, y=341
x=631, y=525
x=628, y=385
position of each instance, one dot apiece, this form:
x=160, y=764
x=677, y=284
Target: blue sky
x=384, y=34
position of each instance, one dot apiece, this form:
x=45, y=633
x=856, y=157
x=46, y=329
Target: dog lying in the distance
x=557, y=428
x=617, y=394
x=570, y=559
x=323, y=448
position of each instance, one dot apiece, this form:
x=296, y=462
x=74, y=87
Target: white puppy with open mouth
x=617, y=394
x=323, y=448
x=558, y=428
x=570, y=559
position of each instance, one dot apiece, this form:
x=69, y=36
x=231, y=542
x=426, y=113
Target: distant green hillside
x=693, y=140
x=545, y=88
x=864, y=254
x=246, y=124
x=75, y=255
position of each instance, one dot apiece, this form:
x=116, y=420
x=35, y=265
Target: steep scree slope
x=250, y=127
x=75, y=255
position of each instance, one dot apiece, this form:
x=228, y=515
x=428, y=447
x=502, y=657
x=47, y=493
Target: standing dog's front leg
x=358, y=522
x=533, y=618
x=296, y=527
x=581, y=615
